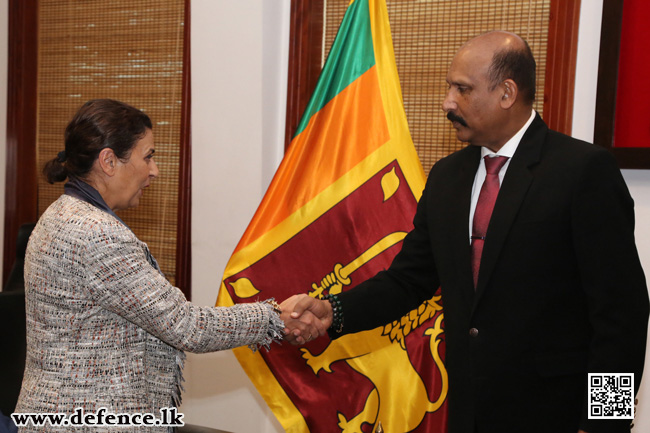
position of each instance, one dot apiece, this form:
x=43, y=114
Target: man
x=549, y=289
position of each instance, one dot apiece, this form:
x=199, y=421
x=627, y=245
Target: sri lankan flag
x=335, y=213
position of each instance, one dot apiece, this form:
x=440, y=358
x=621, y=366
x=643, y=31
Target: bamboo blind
x=129, y=50
x=426, y=35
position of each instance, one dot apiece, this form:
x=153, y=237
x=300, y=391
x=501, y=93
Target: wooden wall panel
x=21, y=185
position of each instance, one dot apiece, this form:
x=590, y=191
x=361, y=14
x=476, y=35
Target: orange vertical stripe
x=344, y=132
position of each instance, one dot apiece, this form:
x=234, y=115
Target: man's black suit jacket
x=561, y=291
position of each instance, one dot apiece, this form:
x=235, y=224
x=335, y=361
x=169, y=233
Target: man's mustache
x=455, y=118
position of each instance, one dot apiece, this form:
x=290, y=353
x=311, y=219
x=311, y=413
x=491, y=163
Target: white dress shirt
x=508, y=150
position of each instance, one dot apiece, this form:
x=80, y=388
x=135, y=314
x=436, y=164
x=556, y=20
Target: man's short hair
x=518, y=65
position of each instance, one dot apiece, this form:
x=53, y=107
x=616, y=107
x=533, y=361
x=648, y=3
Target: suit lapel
x=511, y=195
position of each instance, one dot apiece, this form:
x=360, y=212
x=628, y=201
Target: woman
x=105, y=329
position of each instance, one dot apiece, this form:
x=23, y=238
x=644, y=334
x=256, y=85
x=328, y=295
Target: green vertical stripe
x=351, y=55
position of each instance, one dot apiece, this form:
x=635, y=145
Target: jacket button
x=473, y=332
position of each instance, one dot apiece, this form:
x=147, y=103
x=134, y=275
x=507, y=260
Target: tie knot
x=493, y=165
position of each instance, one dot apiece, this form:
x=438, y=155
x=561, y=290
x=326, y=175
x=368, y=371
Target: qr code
x=611, y=395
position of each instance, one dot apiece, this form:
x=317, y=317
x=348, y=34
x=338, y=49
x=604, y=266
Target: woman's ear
x=107, y=161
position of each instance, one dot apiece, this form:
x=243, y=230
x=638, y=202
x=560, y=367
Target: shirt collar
x=511, y=145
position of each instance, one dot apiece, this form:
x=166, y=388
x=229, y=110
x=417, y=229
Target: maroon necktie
x=484, y=207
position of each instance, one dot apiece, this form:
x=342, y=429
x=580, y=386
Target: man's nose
x=448, y=104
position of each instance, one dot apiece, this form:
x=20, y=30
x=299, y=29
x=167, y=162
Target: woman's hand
x=305, y=318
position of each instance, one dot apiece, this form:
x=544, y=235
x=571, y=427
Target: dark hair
x=518, y=65
x=98, y=124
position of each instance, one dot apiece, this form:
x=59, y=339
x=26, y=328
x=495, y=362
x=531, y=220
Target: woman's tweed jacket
x=105, y=328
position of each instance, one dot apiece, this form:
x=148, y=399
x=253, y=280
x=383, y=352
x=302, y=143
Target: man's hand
x=305, y=318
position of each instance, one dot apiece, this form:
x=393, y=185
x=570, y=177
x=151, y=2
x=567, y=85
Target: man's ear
x=509, y=93
x=107, y=161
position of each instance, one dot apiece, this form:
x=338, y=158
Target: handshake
x=305, y=318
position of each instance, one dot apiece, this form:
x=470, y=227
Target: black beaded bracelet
x=337, y=313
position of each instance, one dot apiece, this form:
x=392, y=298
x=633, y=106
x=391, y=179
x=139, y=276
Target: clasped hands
x=305, y=318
